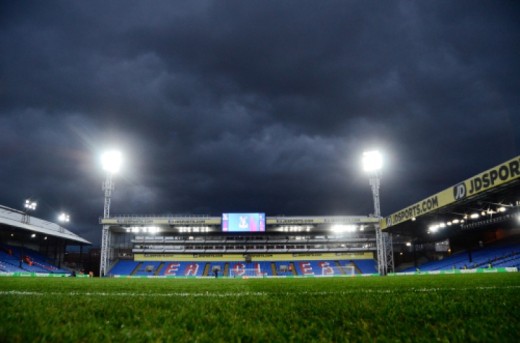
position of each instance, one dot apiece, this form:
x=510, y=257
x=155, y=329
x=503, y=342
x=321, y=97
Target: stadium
x=472, y=225
x=461, y=242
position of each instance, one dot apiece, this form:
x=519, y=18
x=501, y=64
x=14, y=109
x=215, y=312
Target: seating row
x=504, y=255
x=15, y=259
x=237, y=268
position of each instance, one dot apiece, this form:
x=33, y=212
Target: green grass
x=446, y=308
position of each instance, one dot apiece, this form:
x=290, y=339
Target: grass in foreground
x=454, y=308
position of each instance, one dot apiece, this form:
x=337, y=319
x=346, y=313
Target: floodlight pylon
x=111, y=163
x=372, y=164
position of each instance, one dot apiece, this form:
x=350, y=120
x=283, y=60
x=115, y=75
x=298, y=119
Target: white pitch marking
x=245, y=294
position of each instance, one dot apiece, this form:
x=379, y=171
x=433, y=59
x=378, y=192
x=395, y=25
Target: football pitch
x=424, y=308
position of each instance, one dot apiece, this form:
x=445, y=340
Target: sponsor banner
x=161, y=221
x=460, y=271
x=254, y=257
x=432, y=203
x=491, y=178
x=319, y=220
x=27, y=274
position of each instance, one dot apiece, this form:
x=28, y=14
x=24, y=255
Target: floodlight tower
x=28, y=206
x=111, y=163
x=372, y=165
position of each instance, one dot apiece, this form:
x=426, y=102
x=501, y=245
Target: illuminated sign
x=243, y=222
x=489, y=179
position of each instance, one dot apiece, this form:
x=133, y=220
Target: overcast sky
x=237, y=106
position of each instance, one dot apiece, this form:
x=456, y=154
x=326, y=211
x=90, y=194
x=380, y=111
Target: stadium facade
x=164, y=245
x=279, y=244
x=31, y=245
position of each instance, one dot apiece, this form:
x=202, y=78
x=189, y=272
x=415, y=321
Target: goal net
x=246, y=272
x=338, y=271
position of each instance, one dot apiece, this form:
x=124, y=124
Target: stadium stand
x=503, y=255
x=15, y=259
x=237, y=268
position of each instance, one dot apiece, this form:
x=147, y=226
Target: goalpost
x=338, y=271
x=247, y=273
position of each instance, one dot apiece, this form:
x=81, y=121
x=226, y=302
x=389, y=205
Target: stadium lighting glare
x=111, y=161
x=474, y=216
x=343, y=228
x=372, y=161
x=408, y=244
x=30, y=205
x=455, y=221
x=33, y=235
x=433, y=228
x=501, y=209
x=64, y=217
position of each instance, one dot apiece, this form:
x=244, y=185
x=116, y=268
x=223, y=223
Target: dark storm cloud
x=242, y=106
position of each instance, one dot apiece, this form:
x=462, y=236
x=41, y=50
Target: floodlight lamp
x=30, y=205
x=343, y=228
x=111, y=161
x=372, y=161
x=63, y=217
x=433, y=228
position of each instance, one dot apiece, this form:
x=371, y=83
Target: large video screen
x=243, y=222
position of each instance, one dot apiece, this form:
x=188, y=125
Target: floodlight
x=64, y=217
x=372, y=161
x=30, y=205
x=433, y=228
x=111, y=161
x=474, y=216
x=343, y=228
x=501, y=209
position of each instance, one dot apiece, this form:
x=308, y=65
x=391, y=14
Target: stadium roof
x=17, y=219
x=120, y=222
x=487, y=199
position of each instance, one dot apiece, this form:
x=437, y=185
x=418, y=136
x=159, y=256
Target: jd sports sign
x=494, y=177
x=489, y=179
